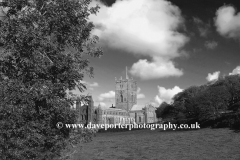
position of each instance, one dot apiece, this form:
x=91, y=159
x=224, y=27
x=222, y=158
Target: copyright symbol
x=59, y=125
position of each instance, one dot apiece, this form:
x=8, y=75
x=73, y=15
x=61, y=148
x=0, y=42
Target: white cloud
x=214, y=76
x=138, y=90
x=156, y=69
x=90, y=86
x=143, y=27
x=166, y=95
x=102, y=104
x=140, y=95
x=228, y=22
x=235, y=71
x=154, y=104
x=94, y=84
x=211, y=44
x=108, y=95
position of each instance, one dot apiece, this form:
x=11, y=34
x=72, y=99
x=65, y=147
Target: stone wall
x=113, y=116
x=86, y=113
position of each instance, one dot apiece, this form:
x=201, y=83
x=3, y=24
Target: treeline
x=215, y=104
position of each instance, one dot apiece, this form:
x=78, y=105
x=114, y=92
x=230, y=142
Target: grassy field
x=204, y=144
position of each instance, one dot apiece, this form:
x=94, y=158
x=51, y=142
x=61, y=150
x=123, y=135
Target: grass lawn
x=203, y=144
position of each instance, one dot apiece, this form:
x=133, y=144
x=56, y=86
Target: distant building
x=125, y=100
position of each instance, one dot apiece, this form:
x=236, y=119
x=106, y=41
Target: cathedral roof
x=137, y=107
x=114, y=109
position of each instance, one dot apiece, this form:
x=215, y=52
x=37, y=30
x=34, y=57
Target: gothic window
x=121, y=98
x=139, y=119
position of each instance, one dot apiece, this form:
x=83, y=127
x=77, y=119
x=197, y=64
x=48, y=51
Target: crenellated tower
x=125, y=93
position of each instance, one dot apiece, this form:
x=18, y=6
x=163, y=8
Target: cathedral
x=125, y=100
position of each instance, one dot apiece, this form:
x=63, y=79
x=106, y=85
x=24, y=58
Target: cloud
x=138, y=90
x=140, y=95
x=94, y=84
x=211, y=44
x=166, y=95
x=108, y=95
x=214, y=76
x=228, y=22
x=143, y=27
x=197, y=20
x=157, y=69
x=102, y=104
x=235, y=71
x=138, y=107
x=203, y=28
x=90, y=86
x=154, y=104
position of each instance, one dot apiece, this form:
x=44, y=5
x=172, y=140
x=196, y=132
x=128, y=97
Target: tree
x=45, y=44
x=184, y=101
x=165, y=111
x=160, y=109
x=232, y=83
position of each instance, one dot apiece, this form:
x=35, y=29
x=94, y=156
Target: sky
x=167, y=46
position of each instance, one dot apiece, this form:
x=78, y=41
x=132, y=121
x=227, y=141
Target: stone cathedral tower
x=125, y=93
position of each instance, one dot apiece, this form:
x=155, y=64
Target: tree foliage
x=165, y=111
x=45, y=45
x=209, y=104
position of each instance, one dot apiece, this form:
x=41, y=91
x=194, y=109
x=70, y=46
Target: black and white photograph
x=119, y=80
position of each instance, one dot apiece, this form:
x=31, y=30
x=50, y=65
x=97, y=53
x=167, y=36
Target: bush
x=76, y=137
x=235, y=121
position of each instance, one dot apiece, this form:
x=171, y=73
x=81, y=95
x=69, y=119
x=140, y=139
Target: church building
x=125, y=100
